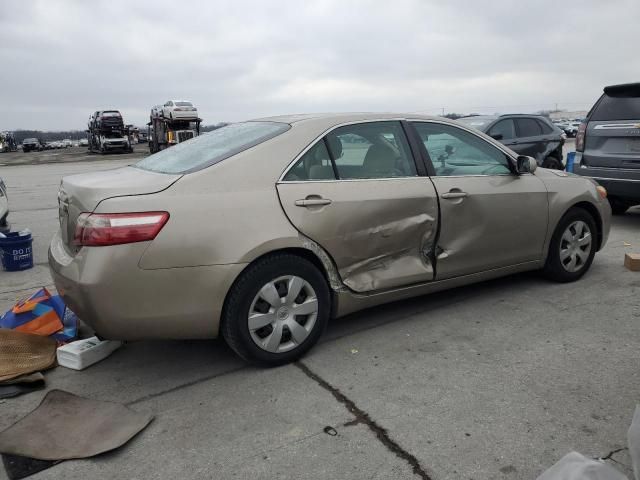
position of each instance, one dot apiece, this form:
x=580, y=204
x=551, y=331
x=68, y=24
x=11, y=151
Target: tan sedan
x=264, y=230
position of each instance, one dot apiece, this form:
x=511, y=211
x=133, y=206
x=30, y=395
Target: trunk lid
x=613, y=130
x=613, y=144
x=82, y=193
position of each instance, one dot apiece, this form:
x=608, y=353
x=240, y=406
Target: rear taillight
x=101, y=229
x=582, y=130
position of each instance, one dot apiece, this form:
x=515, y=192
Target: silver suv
x=608, y=145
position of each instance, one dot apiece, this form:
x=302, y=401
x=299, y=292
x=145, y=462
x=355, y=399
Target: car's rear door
x=490, y=217
x=531, y=140
x=359, y=194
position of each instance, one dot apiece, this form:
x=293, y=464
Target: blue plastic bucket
x=571, y=156
x=16, y=252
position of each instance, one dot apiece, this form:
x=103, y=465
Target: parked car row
x=570, y=128
x=36, y=145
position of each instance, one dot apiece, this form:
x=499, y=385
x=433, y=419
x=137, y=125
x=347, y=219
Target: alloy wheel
x=282, y=314
x=575, y=246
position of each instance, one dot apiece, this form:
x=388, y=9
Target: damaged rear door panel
x=379, y=231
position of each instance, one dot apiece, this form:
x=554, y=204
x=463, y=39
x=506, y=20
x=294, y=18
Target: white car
x=179, y=110
x=156, y=111
x=83, y=142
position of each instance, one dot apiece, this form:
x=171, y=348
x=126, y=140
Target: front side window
x=503, y=130
x=528, y=127
x=211, y=148
x=546, y=128
x=456, y=152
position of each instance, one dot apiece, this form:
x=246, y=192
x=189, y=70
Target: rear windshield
x=184, y=104
x=478, y=122
x=111, y=114
x=211, y=148
x=617, y=108
x=30, y=140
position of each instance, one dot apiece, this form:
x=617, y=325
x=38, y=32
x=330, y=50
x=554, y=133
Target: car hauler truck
x=107, y=133
x=164, y=132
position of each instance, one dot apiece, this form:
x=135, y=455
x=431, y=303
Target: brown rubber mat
x=24, y=353
x=66, y=426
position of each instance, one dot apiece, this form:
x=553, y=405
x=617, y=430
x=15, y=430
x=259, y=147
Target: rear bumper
x=109, y=292
x=621, y=183
x=184, y=115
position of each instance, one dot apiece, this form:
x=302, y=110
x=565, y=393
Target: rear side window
x=371, y=150
x=617, y=108
x=211, y=148
x=314, y=165
x=528, y=127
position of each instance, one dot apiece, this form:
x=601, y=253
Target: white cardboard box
x=80, y=354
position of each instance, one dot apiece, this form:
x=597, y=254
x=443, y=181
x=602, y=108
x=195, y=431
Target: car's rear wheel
x=553, y=163
x=277, y=310
x=572, y=247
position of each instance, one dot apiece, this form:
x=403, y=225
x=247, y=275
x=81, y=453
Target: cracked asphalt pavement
x=495, y=380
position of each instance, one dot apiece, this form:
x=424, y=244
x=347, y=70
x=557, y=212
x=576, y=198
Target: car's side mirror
x=496, y=136
x=526, y=164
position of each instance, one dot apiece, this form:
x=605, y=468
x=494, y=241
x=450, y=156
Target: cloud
x=242, y=59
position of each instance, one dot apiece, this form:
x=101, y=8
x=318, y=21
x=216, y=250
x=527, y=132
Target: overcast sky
x=240, y=59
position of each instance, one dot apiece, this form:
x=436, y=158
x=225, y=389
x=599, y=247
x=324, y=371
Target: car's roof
x=330, y=119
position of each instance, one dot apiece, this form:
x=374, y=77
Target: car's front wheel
x=572, y=247
x=277, y=310
x=553, y=163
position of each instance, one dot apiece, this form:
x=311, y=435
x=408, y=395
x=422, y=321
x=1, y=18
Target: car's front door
x=357, y=193
x=490, y=217
x=531, y=140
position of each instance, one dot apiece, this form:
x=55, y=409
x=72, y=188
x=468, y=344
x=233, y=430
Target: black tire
x=554, y=268
x=618, y=207
x=553, y=163
x=234, y=323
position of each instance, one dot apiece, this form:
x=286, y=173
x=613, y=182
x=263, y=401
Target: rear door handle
x=312, y=202
x=454, y=195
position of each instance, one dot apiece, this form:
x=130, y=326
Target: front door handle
x=312, y=202
x=452, y=195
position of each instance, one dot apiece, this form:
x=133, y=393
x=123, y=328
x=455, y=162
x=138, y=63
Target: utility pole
x=443, y=111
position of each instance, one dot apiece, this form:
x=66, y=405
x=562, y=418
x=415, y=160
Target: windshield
x=30, y=140
x=212, y=147
x=111, y=114
x=477, y=122
x=184, y=104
